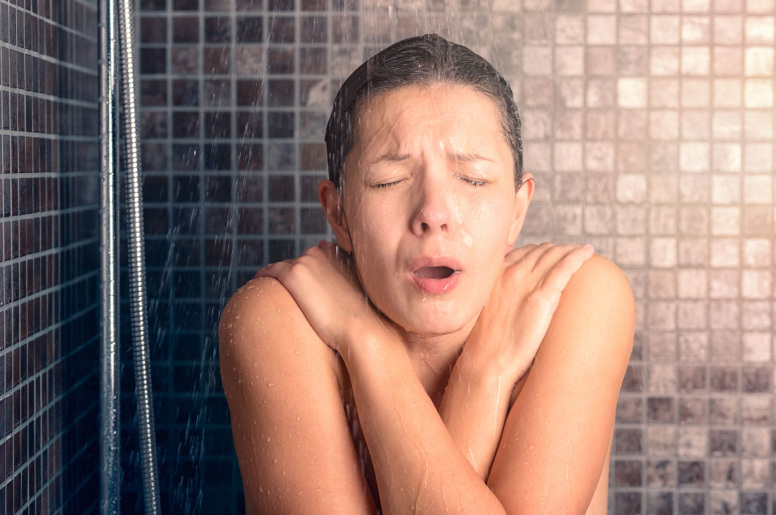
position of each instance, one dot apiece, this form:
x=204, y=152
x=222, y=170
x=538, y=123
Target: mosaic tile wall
x=49, y=266
x=649, y=126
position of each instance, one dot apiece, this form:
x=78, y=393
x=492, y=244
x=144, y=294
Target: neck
x=433, y=357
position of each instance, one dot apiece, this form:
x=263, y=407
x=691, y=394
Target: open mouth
x=434, y=272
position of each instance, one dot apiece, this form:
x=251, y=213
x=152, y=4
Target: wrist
x=361, y=345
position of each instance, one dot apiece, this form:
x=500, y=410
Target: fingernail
x=587, y=246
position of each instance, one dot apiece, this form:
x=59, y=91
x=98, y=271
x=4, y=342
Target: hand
x=324, y=283
x=513, y=323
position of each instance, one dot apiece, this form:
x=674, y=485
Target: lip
x=439, y=260
x=436, y=286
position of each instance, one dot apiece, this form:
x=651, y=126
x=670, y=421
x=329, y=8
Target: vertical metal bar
x=110, y=462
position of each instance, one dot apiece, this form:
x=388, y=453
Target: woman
x=420, y=322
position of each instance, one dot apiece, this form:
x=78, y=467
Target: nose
x=434, y=213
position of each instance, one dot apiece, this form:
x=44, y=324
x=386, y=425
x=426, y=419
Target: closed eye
x=476, y=184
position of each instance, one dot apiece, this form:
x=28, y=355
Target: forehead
x=441, y=111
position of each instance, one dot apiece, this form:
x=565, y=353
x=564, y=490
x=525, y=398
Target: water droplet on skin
x=270, y=384
x=275, y=460
x=268, y=438
x=278, y=310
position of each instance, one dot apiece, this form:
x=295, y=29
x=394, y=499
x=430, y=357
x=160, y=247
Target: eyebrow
x=392, y=157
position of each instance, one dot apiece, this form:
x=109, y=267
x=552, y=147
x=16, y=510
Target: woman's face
x=431, y=175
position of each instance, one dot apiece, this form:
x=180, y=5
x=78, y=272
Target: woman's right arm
x=291, y=434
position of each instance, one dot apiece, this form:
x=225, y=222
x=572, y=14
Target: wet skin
x=420, y=143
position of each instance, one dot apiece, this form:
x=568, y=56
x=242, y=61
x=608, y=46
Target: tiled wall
x=49, y=264
x=649, y=126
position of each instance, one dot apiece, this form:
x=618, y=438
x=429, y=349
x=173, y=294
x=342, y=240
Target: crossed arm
x=556, y=434
x=556, y=437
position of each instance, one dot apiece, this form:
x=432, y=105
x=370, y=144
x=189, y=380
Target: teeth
x=435, y=272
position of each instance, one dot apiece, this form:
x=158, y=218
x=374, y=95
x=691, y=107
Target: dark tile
x=185, y=5
x=691, y=473
x=660, y=410
x=754, y=503
x=755, y=379
x=723, y=442
x=661, y=473
x=281, y=188
x=312, y=61
x=250, y=124
x=693, y=411
x=692, y=378
x=218, y=124
x=634, y=379
x=185, y=189
x=281, y=124
x=313, y=221
x=217, y=157
x=217, y=219
x=217, y=29
x=248, y=5
x=250, y=188
x=153, y=124
x=250, y=252
x=185, y=92
x=250, y=220
x=216, y=61
x=153, y=29
x=186, y=156
x=626, y=441
x=185, y=29
x=249, y=29
x=185, y=124
x=280, y=93
x=218, y=189
x=280, y=61
x=280, y=5
x=153, y=92
x=281, y=220
x=724, y=379
x=308, y=186
x=313, y=29
x=312, y=156
x=627, y=503
x=249, y=92
x=153, y=60
x=627, y=473
x=344, y=29
x=280, y=250
x=250, y=156
x=313, y=5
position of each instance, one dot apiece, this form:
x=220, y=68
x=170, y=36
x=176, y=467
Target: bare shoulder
x=559, y=430
x=601, y=292
x=291, y=434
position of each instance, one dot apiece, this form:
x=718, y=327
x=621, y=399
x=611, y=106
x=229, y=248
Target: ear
x=329, y=197
x=522, y=200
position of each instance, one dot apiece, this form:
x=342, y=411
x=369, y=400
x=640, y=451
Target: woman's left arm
x=419, y=468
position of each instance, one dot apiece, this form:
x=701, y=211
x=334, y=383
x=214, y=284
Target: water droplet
x=270, y=384
x=275, y=460
x=268, y=438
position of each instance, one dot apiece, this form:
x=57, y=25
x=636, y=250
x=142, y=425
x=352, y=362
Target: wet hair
x=420, y=60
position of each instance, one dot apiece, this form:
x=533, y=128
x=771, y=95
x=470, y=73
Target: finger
x=516, y=255
x=528, y=255
x=273, y=269
x=559, y=275
x=550, y=257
